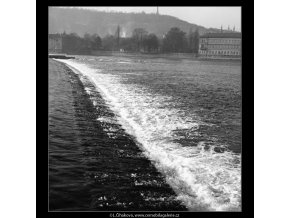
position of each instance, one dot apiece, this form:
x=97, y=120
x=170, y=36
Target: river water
x=153, y=134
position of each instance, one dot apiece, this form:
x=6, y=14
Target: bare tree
x=138, y=36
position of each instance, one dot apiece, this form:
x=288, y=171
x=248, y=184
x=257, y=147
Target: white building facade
x=220, y=44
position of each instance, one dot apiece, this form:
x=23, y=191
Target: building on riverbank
x=54, y=43
x=220, y=45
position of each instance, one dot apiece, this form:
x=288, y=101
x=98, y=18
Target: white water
x=202, y=179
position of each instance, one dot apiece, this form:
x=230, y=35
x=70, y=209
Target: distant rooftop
x=222, y=35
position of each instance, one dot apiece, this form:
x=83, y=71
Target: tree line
x=175, y=40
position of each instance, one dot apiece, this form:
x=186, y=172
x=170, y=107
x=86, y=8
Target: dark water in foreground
x=145, y=134
x=88, y=169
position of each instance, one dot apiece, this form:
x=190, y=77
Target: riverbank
x=189, y=56
x=93, y=163
x=60, y=56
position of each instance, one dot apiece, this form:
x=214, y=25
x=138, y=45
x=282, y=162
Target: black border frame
x=247, y=105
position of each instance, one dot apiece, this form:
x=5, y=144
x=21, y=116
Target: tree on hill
x=96, y=42
x=72, y=43
x=195, y=42
x=138, y=36
x=151, y=43
x=174, y=40
x=127, y=44
x=88, y=41
x=109, y=43
x=190, y=40
x=117, y=35
x=92, y=42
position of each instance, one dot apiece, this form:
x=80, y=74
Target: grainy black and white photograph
x=144, y=108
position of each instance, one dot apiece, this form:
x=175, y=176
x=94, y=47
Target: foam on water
x=123, y=62
x=202, y=178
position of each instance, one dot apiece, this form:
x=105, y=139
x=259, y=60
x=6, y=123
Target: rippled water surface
x=145, y=134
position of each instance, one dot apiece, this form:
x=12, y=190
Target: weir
x=60, y=56
x=202, y=178
x=96, y=165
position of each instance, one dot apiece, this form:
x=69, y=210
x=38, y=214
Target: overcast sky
x=204, y=16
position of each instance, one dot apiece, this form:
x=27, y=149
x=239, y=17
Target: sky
x=204, y=16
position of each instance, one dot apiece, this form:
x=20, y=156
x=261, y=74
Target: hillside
x=83, y=21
